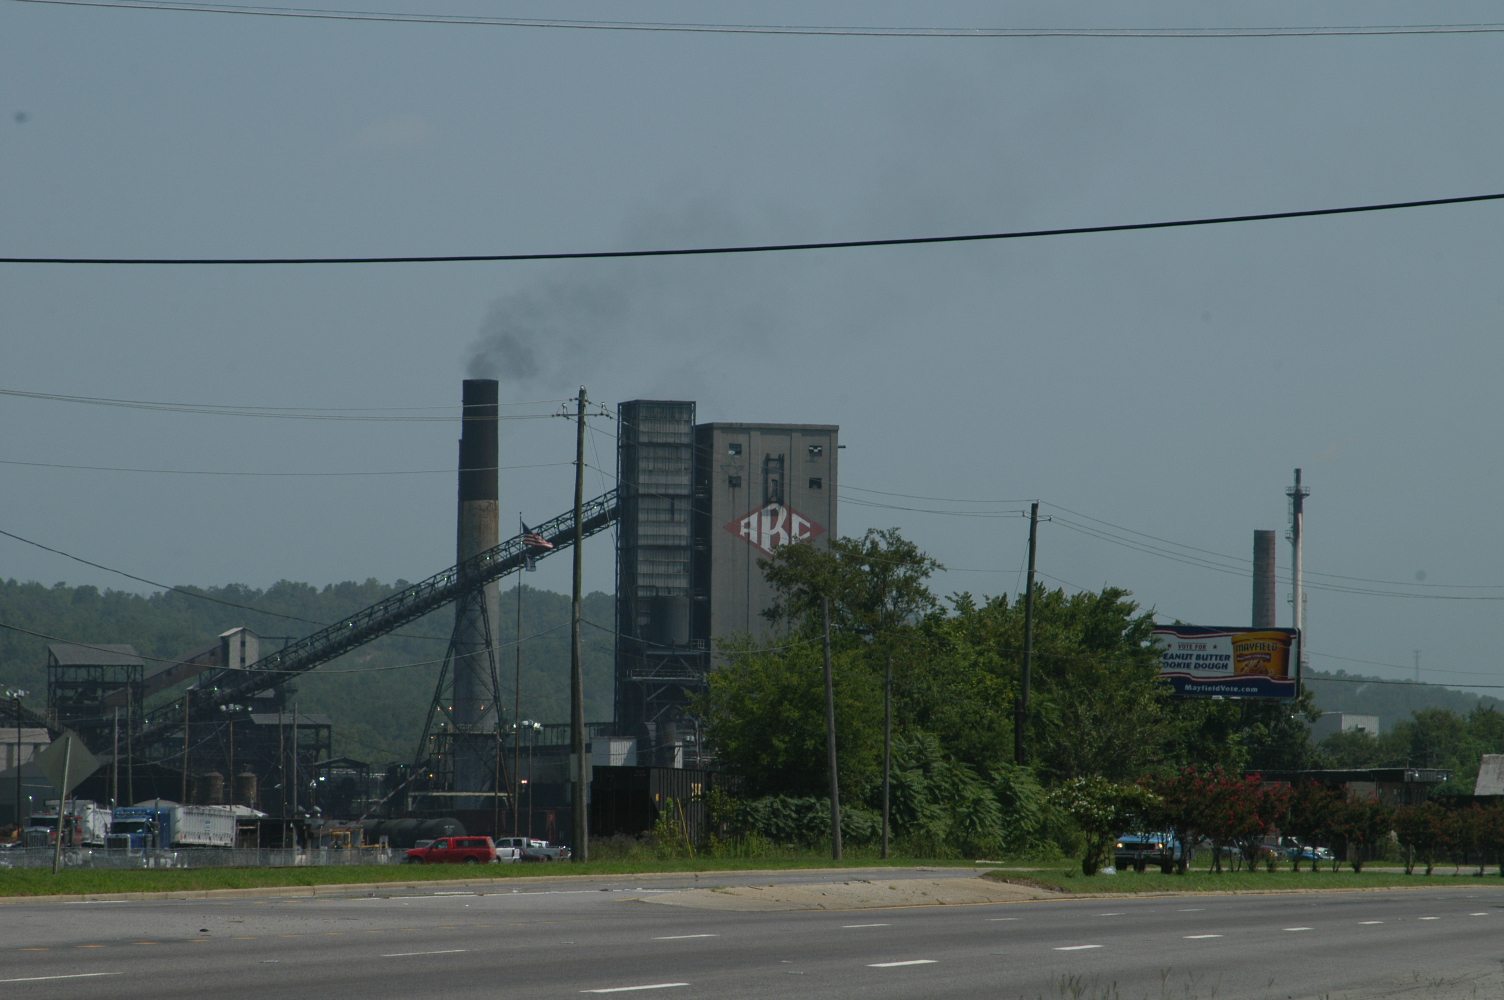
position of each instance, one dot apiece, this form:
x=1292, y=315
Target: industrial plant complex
x=695, y=508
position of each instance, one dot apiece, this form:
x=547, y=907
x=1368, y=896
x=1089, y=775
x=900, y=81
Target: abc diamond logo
x=774, y=525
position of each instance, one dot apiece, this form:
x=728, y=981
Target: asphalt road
x=600, y=936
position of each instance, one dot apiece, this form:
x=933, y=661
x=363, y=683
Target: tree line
x=1106, y=742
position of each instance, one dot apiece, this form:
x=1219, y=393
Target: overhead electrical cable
x=865, y=31
x=234, y=472
x=363, y=413
x=188, y=593
x=766, y=247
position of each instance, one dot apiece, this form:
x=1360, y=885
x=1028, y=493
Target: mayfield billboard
x=1205, y=662
x=773, y=525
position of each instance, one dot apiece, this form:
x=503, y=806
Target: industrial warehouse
x=695, y=508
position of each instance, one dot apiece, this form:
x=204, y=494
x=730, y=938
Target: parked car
x=1139, y=850
x=1309, y=853
x=532, y=849
x=454, y=850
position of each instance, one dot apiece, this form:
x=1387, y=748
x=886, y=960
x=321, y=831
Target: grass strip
x=1058, y=879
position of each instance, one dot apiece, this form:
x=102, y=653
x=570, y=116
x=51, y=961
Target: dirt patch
x=857, y=894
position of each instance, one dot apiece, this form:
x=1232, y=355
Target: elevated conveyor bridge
x=225, y=687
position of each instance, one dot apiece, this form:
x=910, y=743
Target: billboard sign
x=1203, y=661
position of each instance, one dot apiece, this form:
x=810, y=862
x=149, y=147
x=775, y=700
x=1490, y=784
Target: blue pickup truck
x=1139, y=850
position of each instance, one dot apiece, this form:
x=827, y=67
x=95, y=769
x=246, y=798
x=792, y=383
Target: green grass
x=87, y=881
x=1056, y=875
x=1060, y=878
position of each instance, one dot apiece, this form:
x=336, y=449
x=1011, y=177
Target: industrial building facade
x=700, y=505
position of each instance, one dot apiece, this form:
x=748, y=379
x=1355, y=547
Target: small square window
x=816, y=483
x=733, y=481
x=816, y=450
x=734, y=448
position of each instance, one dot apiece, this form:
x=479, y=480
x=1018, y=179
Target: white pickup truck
x=530, y=849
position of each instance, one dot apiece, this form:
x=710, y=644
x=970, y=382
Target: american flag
x=532, y=539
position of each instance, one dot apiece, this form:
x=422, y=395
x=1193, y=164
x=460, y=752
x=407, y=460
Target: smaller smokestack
x=1264, y=602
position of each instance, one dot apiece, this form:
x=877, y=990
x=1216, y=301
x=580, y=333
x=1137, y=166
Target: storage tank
x=245, y=789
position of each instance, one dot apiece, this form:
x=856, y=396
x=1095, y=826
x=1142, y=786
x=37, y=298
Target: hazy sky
x=1154, y=389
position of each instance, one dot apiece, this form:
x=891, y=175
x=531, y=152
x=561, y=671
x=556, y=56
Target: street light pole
x=15, y=697
x=532, y=729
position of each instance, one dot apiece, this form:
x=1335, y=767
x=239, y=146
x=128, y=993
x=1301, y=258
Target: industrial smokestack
x=477, y=614
x=1264, y=599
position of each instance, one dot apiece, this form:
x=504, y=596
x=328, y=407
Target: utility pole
x=115, y=762
x=576, y=667
x=1021, y=707
x=62, y=803
x=187, y=699
x=1297, y=495
x=830, y=738
x=517, y=704
x=887, y=742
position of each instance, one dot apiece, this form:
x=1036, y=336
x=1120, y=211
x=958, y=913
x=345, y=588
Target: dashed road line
x=1427, y=918
x=75, y=975
x=1201, y=937
x=1077, y=947
x=633, y=989
x=1369, y=923
x=847, y=927
x=415, y=954
x=683, y=937
x=1299, y=928
x=895, y=965
x=1477, y=914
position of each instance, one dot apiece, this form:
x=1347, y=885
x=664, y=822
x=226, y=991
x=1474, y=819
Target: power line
x=240, y=472
x=761, y=248
x=866, y=31
x=363, y=413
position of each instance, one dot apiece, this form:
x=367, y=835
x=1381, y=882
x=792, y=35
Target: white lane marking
x=1002, y=918
x=1477, y=914
x=847, y=927
x=92, y=902
x=1117, y=914
x=1201, y=937
x=1300, y=928
x=894, y=965
x=1427, y=918
x=1369, y=923
x=1077, y=947
x=1191, y=909
x=630, y=989
x=413, y=954
x=76, y=975
x=683, y=937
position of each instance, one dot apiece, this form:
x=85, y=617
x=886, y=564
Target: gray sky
x=1162, y=383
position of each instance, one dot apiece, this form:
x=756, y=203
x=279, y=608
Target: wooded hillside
x=377, y=695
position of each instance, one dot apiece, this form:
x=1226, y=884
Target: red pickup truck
x=455, y=851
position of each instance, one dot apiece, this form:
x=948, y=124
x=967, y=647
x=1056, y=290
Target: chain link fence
x=199, y=857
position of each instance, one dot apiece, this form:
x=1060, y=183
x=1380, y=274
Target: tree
x=1098, y=706
x=1313, y=815
x=1425, y=833
x=1101, y=810
x=765, y=720
x=1360, y=822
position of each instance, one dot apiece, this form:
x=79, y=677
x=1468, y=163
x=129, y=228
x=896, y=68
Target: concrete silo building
x=700, y=505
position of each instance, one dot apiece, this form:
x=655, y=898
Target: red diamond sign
x=774, y=525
